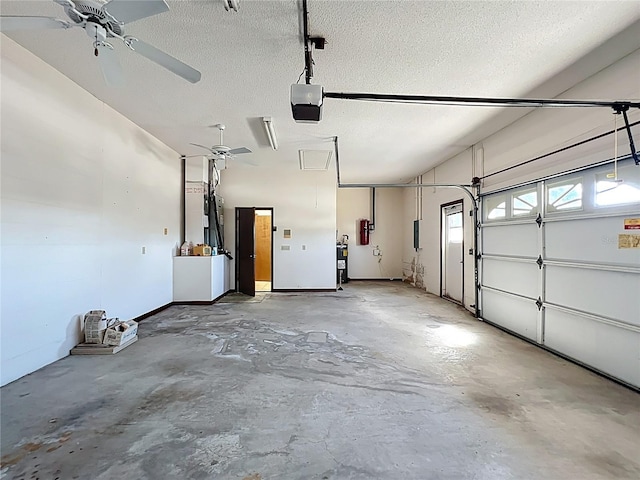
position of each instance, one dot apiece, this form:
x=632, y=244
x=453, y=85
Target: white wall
x=539, y=132
x=422, y=268
x=83, y=190
x=355, y=204
x=302, y=201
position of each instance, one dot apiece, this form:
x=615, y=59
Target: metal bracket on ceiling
x=623, y=108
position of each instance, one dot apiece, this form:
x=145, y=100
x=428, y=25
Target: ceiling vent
x=314, y=159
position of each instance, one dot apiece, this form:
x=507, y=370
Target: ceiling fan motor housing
x=93, y=9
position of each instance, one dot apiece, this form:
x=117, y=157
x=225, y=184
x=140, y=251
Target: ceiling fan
x=102, y=20
x=222, y=152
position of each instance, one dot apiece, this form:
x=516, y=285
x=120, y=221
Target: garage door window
x=566, y=195
x=496, y=207
x=524, y=203
x=624, y=190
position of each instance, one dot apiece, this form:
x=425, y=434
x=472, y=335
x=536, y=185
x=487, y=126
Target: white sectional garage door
x=561, y=266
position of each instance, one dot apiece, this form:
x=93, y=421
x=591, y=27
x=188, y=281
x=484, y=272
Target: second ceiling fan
x=221, y=151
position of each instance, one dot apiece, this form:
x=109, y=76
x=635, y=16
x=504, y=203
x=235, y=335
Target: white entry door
x=452, y=245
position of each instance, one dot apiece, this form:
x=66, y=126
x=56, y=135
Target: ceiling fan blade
x=165, y=60
x=201, y=146
x=110, y=66
x=236, y=151
x=9, y=23
x=128, y=11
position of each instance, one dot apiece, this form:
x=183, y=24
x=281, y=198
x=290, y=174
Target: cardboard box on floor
x=95, y=323
x=121, y=333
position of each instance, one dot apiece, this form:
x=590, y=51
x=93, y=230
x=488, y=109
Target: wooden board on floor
x=99, y=349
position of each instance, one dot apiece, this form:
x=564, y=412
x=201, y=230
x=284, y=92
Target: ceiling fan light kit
x=271, y=133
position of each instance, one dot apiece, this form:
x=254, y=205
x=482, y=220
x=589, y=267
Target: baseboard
x=384, y=279
x=197, y=302
x=140, y=318
x=302, y=290
x=203, y=302
x=152, y=312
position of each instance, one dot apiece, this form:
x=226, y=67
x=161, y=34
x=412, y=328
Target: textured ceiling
x=250, y=58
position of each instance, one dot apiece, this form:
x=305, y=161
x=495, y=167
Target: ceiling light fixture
x=271, y=133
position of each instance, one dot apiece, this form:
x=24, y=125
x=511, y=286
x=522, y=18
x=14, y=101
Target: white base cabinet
x=200, y=279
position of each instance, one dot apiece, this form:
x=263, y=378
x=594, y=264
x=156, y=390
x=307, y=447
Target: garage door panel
x=514, y=240
x=517, y=277
x=589, y=239
x=589, y=284
x=511, y=312
x=610, y=294
x=610, y=349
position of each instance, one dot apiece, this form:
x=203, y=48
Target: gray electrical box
x=416, y=234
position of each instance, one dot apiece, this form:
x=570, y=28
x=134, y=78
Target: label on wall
x=629, y=240
x=632, y=223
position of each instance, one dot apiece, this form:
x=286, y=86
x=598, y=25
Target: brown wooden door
x=245, y=251
x=263, y=247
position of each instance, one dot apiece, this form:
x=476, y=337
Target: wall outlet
x=144, y=250
x=377, y=252
x=166, y=231
x=304, y=247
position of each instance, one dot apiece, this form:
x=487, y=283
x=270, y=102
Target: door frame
x=237, y=270
x=272, y=231
x=442, y=249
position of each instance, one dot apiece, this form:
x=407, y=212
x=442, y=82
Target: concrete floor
x=380, y=381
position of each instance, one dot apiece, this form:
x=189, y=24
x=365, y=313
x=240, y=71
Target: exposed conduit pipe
x=373, y=209
x=464, y=188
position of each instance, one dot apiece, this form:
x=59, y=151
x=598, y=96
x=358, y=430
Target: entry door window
x=454, y=227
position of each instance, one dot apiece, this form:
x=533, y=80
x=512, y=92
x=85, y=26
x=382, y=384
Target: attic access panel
x=317, y=160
